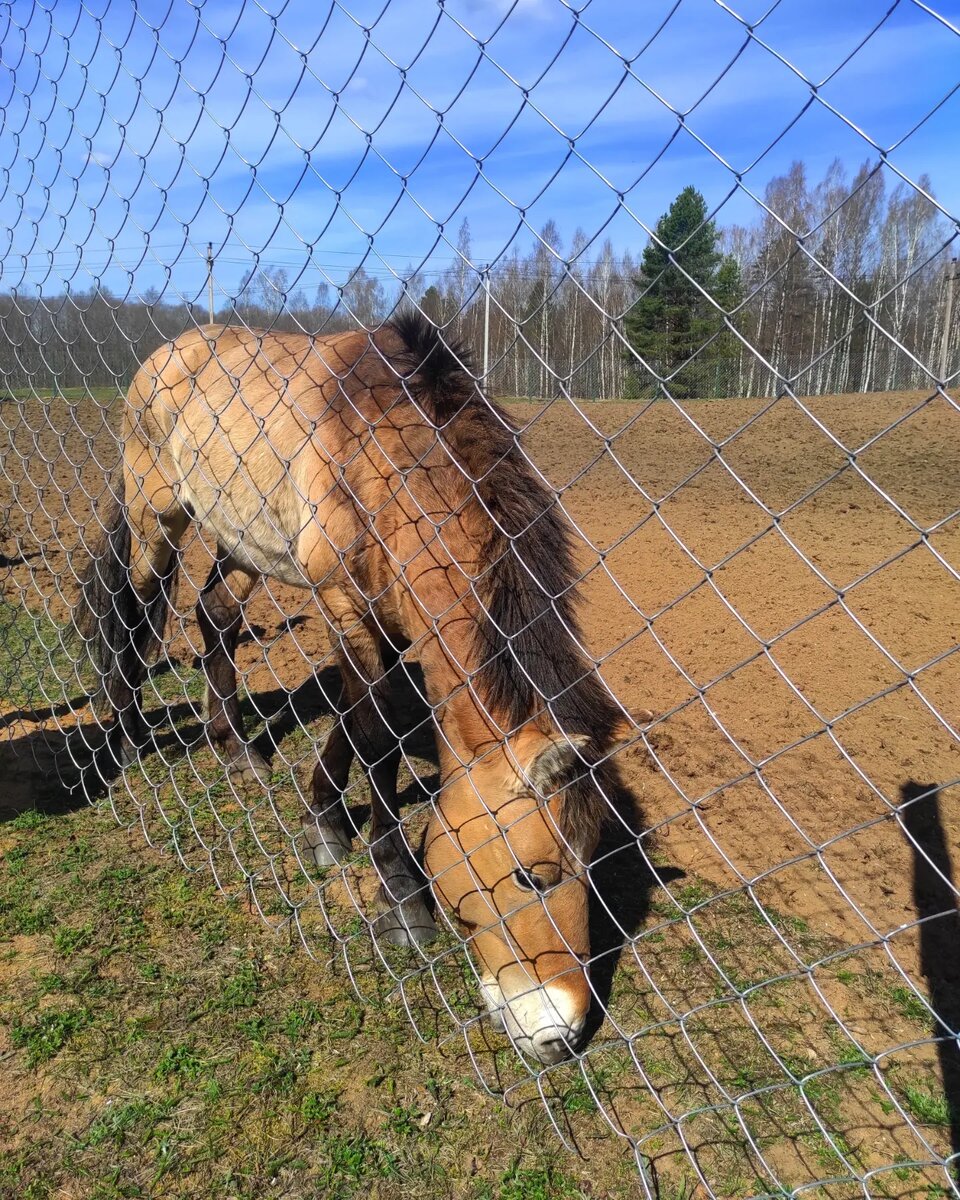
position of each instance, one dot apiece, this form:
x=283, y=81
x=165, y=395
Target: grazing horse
x=368, y=468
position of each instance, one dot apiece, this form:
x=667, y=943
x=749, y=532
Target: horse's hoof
x=128, y=756
x=328, y=846
x=122, y=752
x=248, y=768
x=408, y=924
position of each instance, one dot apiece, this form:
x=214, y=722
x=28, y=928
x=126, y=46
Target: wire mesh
x=737, y=413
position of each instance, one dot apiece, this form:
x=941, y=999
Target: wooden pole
x=210, y=280
x=486, y=330
x=947, y=321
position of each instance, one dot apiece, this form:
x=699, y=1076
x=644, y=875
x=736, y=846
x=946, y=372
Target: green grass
x=181, y=1048
x=909, y=1004
x=927, y=1103
x=44, y=1036
x=37, y=659
x=525, y=1183
x=161, y=1040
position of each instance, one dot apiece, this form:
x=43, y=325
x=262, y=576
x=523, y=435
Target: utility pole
x=486, y=327
x=947, y=321
x=210, y=280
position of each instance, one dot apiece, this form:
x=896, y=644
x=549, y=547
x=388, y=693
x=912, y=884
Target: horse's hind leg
x=137, y=613
x=219, y=613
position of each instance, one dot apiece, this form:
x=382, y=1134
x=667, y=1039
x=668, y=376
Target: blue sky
x=135, y=134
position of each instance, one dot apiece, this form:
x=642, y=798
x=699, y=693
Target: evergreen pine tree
x=672, y=319
x=432, y=306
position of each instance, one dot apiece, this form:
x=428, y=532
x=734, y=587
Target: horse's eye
x=528, y=881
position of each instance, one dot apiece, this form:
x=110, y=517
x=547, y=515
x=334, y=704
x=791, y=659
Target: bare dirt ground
x=779, y=585
x=802, y=654
x=791, y=615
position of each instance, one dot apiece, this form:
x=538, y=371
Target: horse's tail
x=122, y=631
x=436, y=369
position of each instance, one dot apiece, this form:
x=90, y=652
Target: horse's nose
x=557, y=1042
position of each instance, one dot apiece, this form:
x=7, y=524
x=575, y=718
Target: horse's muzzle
x=545, y=1022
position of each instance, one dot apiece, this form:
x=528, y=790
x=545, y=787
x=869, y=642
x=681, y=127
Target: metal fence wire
x=549, y=408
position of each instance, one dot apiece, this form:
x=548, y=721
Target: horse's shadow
x=37, y=771
x=75, y=765
x=621, y=877
x=622, y=881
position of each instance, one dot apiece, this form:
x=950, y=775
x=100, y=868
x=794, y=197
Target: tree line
x=838, y=286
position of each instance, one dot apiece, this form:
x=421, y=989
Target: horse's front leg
x=219, y=613
x=369, y=730
x=404, y=889
x=327, y=828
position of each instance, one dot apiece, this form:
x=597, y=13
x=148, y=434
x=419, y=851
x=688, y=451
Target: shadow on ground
x=56, y=770
x=935, y=896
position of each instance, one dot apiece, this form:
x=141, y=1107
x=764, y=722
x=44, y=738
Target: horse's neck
x=468, y=729
x=439, y=540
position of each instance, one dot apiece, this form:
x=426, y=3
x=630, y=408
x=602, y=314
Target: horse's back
x=216, y=365
x=249, y=429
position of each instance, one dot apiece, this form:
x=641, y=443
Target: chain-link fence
x=500, y=461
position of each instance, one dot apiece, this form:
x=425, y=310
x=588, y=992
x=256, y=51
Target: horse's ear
x=555, y=762
x=628, y=728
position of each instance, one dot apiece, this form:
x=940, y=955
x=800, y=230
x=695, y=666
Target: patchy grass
x=910, y=1004
x=927, y=1103
x=44, y=1036
x=159, y=1040
x=37, y=655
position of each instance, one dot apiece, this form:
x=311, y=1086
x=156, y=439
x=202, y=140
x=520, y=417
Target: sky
x=320, y=135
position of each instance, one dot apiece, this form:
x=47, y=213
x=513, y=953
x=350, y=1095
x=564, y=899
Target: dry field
x=786, y=606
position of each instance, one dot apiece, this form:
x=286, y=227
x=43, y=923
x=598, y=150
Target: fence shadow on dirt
x=935, y=896
x=16, y=560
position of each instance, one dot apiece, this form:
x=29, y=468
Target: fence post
x=210, y=280
x=486, y=327
x=947, y=320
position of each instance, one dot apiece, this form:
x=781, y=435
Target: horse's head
x=507, y=852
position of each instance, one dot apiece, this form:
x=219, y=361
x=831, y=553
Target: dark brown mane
x=529, y=641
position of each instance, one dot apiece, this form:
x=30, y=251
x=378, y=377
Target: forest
x=839, y=285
